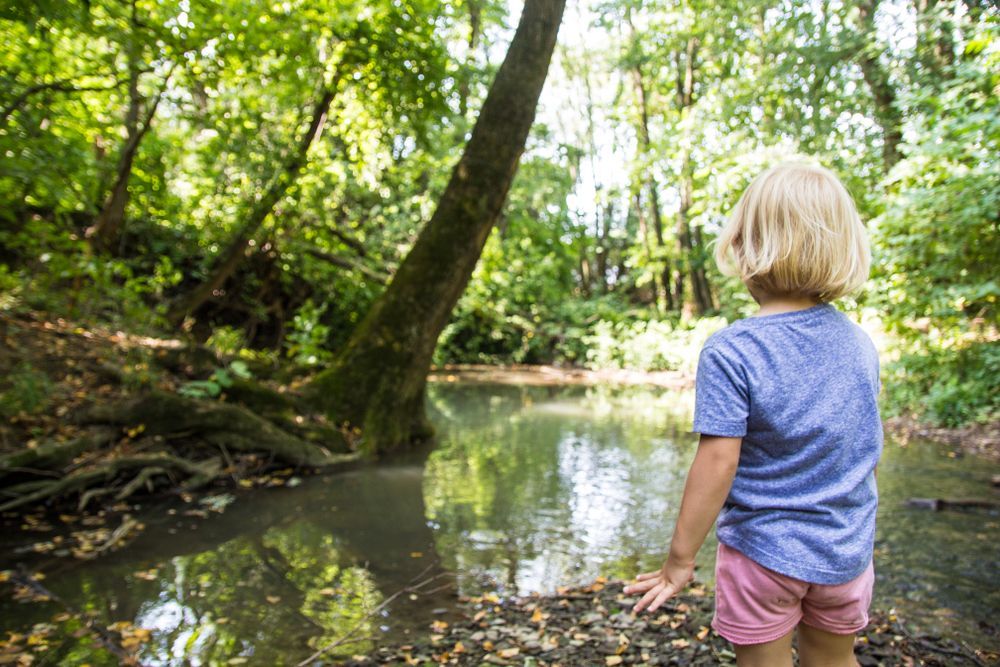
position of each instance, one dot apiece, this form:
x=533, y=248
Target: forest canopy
x=253, y=174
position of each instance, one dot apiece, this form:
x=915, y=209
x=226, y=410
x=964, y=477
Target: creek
x=526, y=488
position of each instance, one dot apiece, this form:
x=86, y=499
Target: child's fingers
x=648, y=575
x=668, y=592
x=640, y=587
x=648, y=597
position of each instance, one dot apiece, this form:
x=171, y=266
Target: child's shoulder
x=727, y=339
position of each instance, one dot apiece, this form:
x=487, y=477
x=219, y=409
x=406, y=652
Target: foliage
x=937, y=244
x=648, y=345
x=216, y=382
x=24, y=390
x=611, y=218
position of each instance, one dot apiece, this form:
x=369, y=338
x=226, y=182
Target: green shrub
x=26, y=389
x=947, y=386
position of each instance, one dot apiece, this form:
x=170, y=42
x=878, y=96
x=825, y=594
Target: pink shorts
x=754, y=605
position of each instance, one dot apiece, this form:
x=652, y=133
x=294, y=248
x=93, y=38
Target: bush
x=945, y=385
x=648, y=345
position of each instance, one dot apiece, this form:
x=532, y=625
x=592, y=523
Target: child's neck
x=773, y=304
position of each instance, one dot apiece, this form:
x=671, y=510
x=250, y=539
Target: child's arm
x=705, y=491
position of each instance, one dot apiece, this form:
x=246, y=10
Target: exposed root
x=53, y=455
x=195, y=431
x=220, y=425
x=106, y=471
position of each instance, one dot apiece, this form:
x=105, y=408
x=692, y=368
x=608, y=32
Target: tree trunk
x=234, y=254
x=691, y=247
x=105, y=233
x=475, y=25
x=378, y=380
x=650, y=184
x=935, y=43
x=887, y=115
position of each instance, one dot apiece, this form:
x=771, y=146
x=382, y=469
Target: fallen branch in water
x=938, y=504
x=346, y=638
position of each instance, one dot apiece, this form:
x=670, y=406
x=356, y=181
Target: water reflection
x=280, y=574
x=581, y=482
x=557, y=488
x=525, y=490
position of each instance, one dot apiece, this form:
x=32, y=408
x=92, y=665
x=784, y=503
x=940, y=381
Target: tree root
x=219, y=424
x=53, y=455
x=107, y=471
x=195, y=431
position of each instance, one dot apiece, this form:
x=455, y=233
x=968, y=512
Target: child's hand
x=662, y=585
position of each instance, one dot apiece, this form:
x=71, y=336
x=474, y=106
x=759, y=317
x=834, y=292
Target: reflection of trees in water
x=533, y=487
x=265, y=595
x=326, y=554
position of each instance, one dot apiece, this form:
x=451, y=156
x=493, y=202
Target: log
x=939, y=504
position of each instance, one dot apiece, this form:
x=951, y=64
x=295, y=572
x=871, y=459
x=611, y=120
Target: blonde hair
x=796, y=231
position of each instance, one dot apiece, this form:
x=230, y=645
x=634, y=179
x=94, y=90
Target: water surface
x=526, y=489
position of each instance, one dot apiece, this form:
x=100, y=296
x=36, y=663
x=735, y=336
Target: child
x=785, y=402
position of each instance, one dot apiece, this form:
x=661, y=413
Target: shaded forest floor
x=95, y=418
x=593, y=625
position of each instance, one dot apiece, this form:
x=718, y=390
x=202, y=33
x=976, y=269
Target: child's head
x=795, y=232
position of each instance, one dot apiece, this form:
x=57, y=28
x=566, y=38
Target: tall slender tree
x=377, y=383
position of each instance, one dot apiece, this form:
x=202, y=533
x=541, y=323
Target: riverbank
x=975, y=439
x=57, y=378
x=593, y=625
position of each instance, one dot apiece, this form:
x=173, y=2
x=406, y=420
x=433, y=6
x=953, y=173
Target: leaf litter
x=594, y=625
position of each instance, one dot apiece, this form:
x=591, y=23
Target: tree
x=378, y=380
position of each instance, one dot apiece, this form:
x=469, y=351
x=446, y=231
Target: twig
x=933, y=647
x=344, y=639
x=23, y=578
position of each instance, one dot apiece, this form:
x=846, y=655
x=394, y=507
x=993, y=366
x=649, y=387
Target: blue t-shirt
x=801, y=389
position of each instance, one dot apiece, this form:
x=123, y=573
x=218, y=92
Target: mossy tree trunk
x=377, y=383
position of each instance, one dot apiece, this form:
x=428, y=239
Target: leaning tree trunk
x=377, y=383
x=234, y=254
